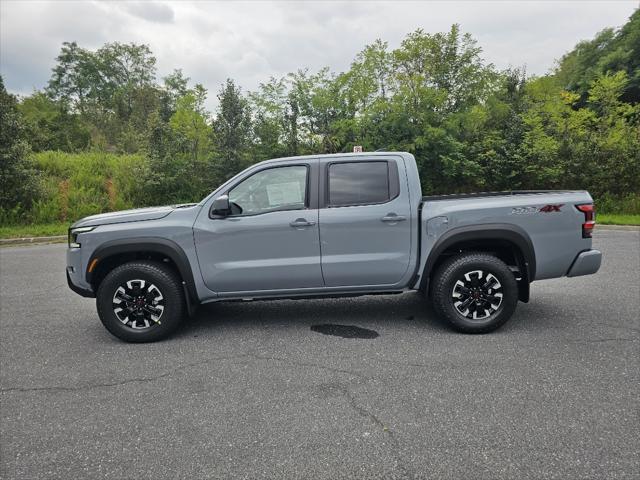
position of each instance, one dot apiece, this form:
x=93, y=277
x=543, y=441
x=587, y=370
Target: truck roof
x=352, y=156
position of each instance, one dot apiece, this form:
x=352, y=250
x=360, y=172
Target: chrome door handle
x=301, y=222
x=392, y=217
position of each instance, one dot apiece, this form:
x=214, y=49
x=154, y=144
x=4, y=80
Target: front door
x=365, y=227
x=270, y=239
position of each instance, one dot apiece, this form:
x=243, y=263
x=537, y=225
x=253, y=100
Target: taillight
x=589, y=219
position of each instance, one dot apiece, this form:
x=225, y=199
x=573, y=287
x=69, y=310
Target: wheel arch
x=509, y=242
x=116, y=252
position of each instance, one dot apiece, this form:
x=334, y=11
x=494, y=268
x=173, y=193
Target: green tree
x=434, y=77
x=49, y=126
x=74, y=77
x=112, y=89
x=175, y=86
x=614, y=137
x=609, y=52
x=179, y=168
x=445, y=70
x=268, y=106
x=190, y=123
x=20, y=185
x=125, y=69
x=232, y=131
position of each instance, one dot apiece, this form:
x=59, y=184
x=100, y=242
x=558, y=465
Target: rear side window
x=358, y=183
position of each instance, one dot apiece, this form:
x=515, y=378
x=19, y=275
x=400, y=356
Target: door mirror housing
x=220, y=207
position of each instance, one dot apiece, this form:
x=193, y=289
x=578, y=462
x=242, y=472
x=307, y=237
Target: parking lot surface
x=251, y=390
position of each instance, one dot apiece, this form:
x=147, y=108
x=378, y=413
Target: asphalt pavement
x=251, y=390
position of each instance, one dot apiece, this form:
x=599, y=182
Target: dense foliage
x=469, y=125
x=18, y=179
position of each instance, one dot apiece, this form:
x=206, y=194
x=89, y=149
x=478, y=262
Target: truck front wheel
x=474, y=292
x=141, y=301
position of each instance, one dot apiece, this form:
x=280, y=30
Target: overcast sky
x=251, y=41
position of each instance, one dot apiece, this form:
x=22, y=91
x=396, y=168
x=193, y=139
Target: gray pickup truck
x=329, y=225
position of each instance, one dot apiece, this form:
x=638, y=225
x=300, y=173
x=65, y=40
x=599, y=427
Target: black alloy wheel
x=475, y=292
x=138, y=304
x=141, y=301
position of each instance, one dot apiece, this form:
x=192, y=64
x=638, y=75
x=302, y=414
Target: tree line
x=470, y=125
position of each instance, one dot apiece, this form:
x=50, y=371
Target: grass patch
x=41, y=230
x=617, y=219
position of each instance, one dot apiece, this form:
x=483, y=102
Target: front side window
x=280, y=188
x=358, y=183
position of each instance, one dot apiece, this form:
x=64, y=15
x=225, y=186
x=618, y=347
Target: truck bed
x=458, y=196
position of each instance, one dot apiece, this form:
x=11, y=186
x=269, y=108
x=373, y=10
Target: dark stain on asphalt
x=344, y=331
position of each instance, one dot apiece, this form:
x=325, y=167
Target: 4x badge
x=531, y=210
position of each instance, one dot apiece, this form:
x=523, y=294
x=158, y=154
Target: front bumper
x=85, y=292
x=75, y=268
x=586, y=263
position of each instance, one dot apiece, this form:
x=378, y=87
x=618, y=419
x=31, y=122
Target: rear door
x=365, y=227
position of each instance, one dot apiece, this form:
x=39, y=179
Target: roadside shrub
x=627, y=204
x=75, y=185
x=44, y=211
x=11, y=216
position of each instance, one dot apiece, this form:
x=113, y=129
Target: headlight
x=73, y=235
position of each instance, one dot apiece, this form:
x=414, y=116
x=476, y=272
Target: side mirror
x=220, y=206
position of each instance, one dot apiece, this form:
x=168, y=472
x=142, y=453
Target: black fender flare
x=492, y=231
x=168, y=248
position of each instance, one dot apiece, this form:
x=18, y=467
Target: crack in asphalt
x=618, y=326
x=353, y=404
x=289, y=361
x=393, y=441
x=600, y=340
x=116, y=383
x=306, y=364
x=62, y=388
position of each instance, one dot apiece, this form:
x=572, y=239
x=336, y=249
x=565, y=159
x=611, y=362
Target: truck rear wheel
x=475, y=292
x=141, y=301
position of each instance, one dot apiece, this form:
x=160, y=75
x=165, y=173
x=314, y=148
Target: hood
x=134, y=215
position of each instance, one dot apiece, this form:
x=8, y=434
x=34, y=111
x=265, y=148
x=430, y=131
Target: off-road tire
x=158, y=274
x=453, y=270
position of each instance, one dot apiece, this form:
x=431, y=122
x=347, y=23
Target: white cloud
x=151, y=11
x=251, y=41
